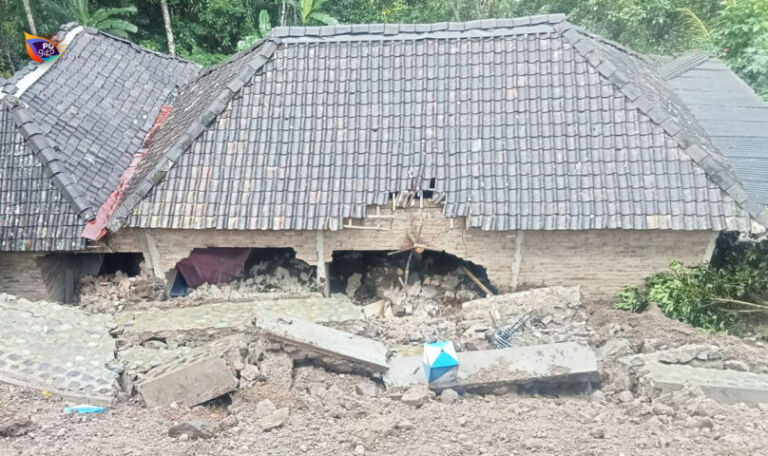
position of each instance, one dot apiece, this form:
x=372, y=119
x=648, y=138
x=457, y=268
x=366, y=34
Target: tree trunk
x=30, y=19
x=168, y=29
x=282, y=14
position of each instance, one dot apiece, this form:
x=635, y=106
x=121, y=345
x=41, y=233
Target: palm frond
x=702, y=32
x=117, y=27
x=324, y=18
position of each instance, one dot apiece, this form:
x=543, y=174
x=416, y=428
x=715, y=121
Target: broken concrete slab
x=555, y=315
x=225, y=318
x=567, y=362
x=59, y=349
x=306, y=340
x=727, y=386
x=191, y=379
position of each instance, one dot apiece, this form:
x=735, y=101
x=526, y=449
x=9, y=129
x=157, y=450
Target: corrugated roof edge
x=683, y=64
x=262, y=51
x=48, y=156
x=701, y=153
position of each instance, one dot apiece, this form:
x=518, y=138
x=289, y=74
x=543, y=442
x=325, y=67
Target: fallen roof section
x=528, y=123
x=734, y=116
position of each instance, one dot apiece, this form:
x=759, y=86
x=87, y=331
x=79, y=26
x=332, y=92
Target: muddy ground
x=328, y=416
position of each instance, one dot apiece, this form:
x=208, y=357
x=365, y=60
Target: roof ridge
x=262, y=52
x=46, y=153
x=701, y=152
x=371, y=30
x=683, y=64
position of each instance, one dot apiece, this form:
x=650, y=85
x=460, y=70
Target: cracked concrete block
x=309, y=340
x=725, y=386
x=567, y=362
x=199, y=376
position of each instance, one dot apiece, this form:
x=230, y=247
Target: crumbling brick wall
x=601, y=261
x=385, y=231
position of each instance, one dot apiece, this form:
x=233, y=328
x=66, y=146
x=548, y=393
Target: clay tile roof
x=68, y=136
x=516, y=124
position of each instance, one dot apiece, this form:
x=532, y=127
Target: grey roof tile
x=326, y=127
x=81, y=122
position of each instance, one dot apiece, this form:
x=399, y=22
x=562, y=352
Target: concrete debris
x=265, y=408
x=555, y=315
x=199, y=376
x=192, y=429
x=416, y=396
x=274, y=420
x=277, y=368
x=280, y=273
x=567, y=362
x=13, y=424
x=728, y=386
x=104, y=293
x=336, y=349
x=449, y=396
x=222, y=319
x=59, y=349
x=367, y=389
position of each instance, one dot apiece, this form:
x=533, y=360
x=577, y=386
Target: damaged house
x=530, y=147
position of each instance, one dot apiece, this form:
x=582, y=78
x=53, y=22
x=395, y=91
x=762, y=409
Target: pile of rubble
x=282, y=273
x=108, y=293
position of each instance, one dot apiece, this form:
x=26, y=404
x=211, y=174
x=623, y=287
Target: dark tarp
x=213, y=265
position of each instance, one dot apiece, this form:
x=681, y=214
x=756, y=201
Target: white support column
x=151, y=254
x=517, y=259
x=710, y=248
x=322, y=267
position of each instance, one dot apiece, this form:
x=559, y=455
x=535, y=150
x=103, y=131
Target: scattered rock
x=359, y=450
x=367, y=389
x=13, y=425
x=250, y=373
x=353, y=284
x=265, y=408
x=625, y=396
x=597, y=433
x=615, y=348
x=449, y=396
x=275, y=420
x=662, y=409
x=192, y=429
x=416, y=396
x=277, y=368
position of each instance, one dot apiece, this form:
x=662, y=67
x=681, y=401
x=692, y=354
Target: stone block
x=192, y=379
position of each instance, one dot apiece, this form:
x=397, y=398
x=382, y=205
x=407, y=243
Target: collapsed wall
x=602, y=262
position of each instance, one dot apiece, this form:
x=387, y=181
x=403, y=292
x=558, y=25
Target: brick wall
x=382, y=230
x=50, y=277
x=21, y=275
x=604, y=261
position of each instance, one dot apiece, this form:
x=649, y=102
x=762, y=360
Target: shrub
x=714, y=298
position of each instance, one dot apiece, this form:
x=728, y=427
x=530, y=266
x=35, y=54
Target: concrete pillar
x=323, y=283
x=151, y=254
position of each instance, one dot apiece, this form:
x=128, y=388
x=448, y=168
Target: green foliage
x=632, y=299
x=742, y=40
x=706, y=296
x=311, y=12
x=265, y=26
x=107, y=19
